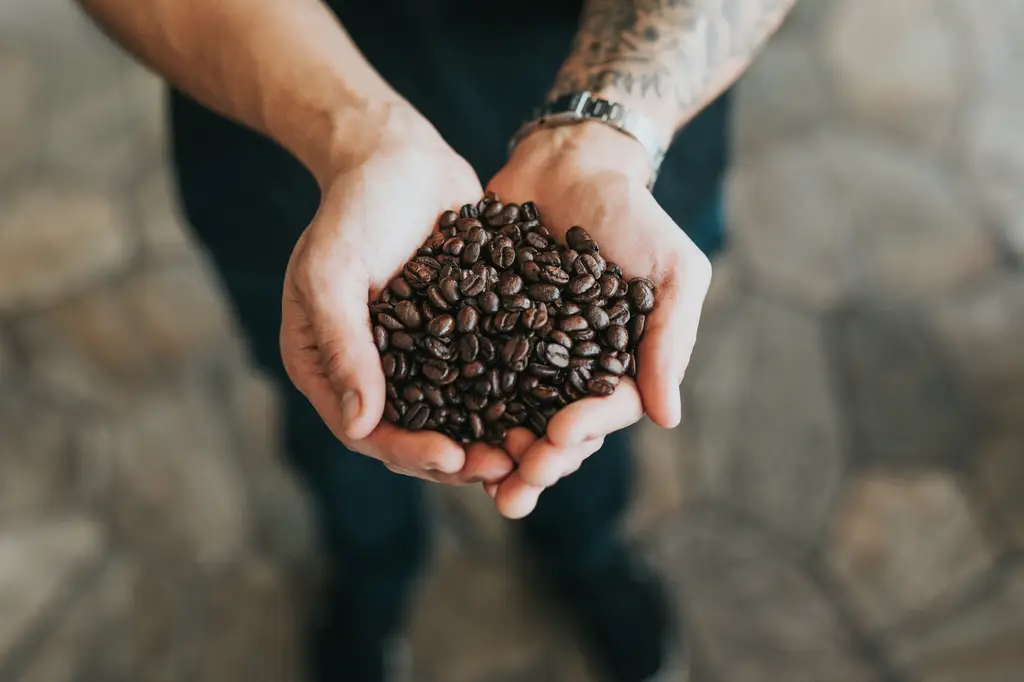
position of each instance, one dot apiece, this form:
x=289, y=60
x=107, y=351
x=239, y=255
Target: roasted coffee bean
x=474, y=401
x=553, y=274
x=488, y=351
x=628, y=364
x=641, y=295
x=391, y=412
x=547, y=258
x=416, y=416
x=472, y=284
x=468, y=211
x=489, y=302
x=435, y=371
x=380, y=338
x=505, y=321
x=515, y=353
x=388, y=364
x=544, y=393
x=600, y=387
x=530, y=271
x=534, y=318
x=494, y=411
x=469, y=347
x=429, y=261
x=472, y=370
x=510, y=214
x=611, y=364
x=403, y=341
x=544, y=372
x=454, y=246
x=581, y=284
x=560, y=337
x=400, y=287
x=438, y=348
x=583, y=335
x=471, y=254
x=436, y=298
x=476, y=235
x=597, y=317
x=507, y=383
x=467, y=320
x=517, y=302
x=609, y=285
x=441, y=326
x=418, y=274
x=575, y=236
x=543, y=292
x=556, y=355
x=447, y=219
x=408, y=313
x=573, y=323
x=536, y=240
x=636, y=328
x=617, y=337
x=509, y=284
x=390, y=322
x=433, y=395
x=412, y=393
x=618, y=313
x=586, y=349
x=493, y=210
x=503, y=256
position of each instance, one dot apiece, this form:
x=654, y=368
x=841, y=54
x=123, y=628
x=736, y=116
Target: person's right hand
x=373, y=216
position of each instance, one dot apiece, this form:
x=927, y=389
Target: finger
x=484, y=464
x=596, y=417
x=491, y=489
x=341, y=328
x=517, y=441
x=545, y=463
x=670, y=334
x=515, y=498
x=427, y=454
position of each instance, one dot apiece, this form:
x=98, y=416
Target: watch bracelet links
x=579, y=107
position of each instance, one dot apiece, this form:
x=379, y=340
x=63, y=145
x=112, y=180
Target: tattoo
x=680, y=52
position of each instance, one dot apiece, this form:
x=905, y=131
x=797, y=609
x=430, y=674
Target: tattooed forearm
x=676, y=55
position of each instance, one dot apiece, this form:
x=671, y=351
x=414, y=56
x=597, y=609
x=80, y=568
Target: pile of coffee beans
x=493, y=324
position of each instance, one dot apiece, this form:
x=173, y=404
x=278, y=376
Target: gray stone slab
x=900, y=544
x=36, y=468
x=56, y=241
x=895, y=67
x=983, y=642
x=37, y=560
x=754, y=612
x=766, y=430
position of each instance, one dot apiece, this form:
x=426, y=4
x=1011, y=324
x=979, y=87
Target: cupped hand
x=595, y=177
x=372, y=218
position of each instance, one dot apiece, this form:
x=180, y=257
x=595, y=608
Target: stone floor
x=843, y=503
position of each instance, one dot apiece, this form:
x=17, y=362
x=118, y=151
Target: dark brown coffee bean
x=474, y=401
x=529, y=210
x=583, y=335
x=475, y=235
x=509, y=214
x=611, y=364
x=543, y=292
x=636, y=328
x=588, y=363
x=578, y=378
x=507, y=383
x=534, y=318
x=435, y=371
x=561, y=338
x=494, y=411
x=400, y=287
x=575, y=235
x=515, y=354
x=573, y=323
x=438, y=348
x=587, y=264
x=391, y=412
x=416, y=416
x=617, y=337
x=514, y=303
x=536, y=241
x=600, y=387
x=618, y=313
x=569, y=308
x=587, y=246
x=403, y=341
x=554, y=275
x=548, y=258
x=467, y=320
x=471, y=254
x=609, y=285
x=454, y=246
x=641, y=295
x=556, y=355
x=530, y=271
x=581, y=284
x=546, y=373
x=401, y=367
x=429, y=261
x=512, y=232
x=472, y=284
x=418, y=274
x=505, y=321
x=509, y=284
x=503, y=257
x=441, y=326
x=472, y=370
x=596, y=316
x=390, y=322
x=492, y=211
x=544, y=393
x=436, y=298
x=476, y=425
x=380, y=338
x=447, y=219
x=408, y=313
x=468, y=211
x=568, y=258
x=489, y=302
x=586, y=349
x=628, y=364
x=527, y=383
x=412, y=393
x=525, y=254
x=469, y=347
x=433, y=395
x=388, y=362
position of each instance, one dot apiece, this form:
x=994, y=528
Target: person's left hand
x=593, y=176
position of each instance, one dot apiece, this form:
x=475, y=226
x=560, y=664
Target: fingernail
x=349, y=407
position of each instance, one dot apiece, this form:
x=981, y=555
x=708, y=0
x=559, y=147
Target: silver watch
x=577, y=107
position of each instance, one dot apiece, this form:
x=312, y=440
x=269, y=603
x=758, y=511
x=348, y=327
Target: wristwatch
x=578, y=107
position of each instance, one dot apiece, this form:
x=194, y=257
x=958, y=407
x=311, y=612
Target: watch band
x=578, y=107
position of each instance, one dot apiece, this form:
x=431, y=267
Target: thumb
x=341, y=328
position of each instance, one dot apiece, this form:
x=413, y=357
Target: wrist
x=585, y=148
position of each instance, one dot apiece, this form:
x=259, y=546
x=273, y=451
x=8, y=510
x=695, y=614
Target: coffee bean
x=628, y=364
x=543, y=292
x=507, y=383
x=545, y=393
x=418, y=274
x=636, y=328
x=416, y=416
x=530, y=271
x=611, y=364
x=438, y=348
x=517, y=302
x=433, y=395
x=527, y=383
x=403, y=341
x=488, y=351
x=494, y=411
x=493, y=210
x=573, y=323
x=536, y=241
x=618, y=313
x=472, y=370
x=468, y=211
x=617, y=337
x=476, y=424
x=470, y=254
x=553, y=274
x=380, y=338
x=557, y=355
x=515, y=353
x=583, y=335
x=548, y=258
x=472, y=284
x=575, y=235
x=408, y=313
x=469, y=347
x=436, y=298
x=388, y=362
x=561, y=338
x=505, y=321
x=390, y=322
x=586, y=349
x=509, y=284
x=581, y=284
x=467, y=320
x=441, y=326
x=391, y=412
x=400, y=287
x=600, y=387
x=412, y=393
x=474, y=401
x=596, y=316
x=534, y=318
x=641, y=295
x=447, y=219
x=609, y=285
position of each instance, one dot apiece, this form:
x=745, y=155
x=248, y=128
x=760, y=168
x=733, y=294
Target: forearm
x=285, y=69
x=667, y=58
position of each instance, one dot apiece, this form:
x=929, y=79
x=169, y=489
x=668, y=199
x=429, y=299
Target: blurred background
x=844, y=503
